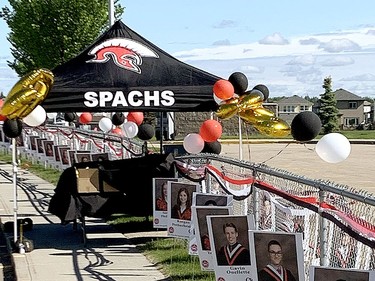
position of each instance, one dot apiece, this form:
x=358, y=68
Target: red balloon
x=2, y=117
x=117, y=131
x=210, y=130
x=85, y=118
x=223, y=89
x=136, y=117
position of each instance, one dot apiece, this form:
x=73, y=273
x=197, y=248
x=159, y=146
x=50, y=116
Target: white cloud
x=309, y=41
x=363, y=89
x=274, y=39
x=337, y=61
x=225, y=42
x=291, y=69
x=302, y=60
x=362, y=77
x=251, y=69
x=340, y=45
x=310, y=75
x=225, y=24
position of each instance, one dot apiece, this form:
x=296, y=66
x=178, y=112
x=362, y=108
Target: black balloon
x=263, y=89
x=118, y=118
x=70, y=116
x=212, y=147
x=256, y=92
x=239, y=82
x=145, y=131
x=12, y=128
x=305, y=126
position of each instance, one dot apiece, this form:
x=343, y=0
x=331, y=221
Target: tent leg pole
x=15, y=204
x=240, y=138
x=161, y=132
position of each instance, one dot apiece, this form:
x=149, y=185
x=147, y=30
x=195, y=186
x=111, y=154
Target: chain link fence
x=337, y=221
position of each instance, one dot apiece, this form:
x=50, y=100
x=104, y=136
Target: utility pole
x=111, y=12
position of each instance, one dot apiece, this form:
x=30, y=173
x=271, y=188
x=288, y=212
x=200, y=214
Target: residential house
x=289, y=107
x=353, y=109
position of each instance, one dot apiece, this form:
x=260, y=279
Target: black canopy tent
x=122, y=71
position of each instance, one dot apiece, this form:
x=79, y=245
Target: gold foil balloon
x=274, y=127
x=249, y=108
x=231, y=107
x=256, y=114
x=27, y=94
x=261, y=111
x=228, y=109
x=250, y=100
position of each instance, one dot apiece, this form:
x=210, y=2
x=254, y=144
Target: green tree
x=275, y=99
x=328, y=111
x=313, y=99
x=46, y=33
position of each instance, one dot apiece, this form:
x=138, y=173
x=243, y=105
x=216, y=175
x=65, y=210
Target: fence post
x=256, y=207
x=208, y=183
x=323, y=232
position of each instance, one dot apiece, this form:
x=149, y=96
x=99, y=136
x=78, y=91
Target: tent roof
x=122, y=71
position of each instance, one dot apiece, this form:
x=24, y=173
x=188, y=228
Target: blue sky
x=289, y=46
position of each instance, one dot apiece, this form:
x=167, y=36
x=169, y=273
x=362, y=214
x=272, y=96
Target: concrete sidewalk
x=59, y=252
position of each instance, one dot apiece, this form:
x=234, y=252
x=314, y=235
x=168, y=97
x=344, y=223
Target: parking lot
x=356, y=171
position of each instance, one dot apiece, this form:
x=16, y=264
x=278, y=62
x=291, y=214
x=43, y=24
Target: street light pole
x=111, y=12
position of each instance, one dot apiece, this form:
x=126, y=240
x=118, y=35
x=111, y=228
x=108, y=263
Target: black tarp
x=122, y=71
x=131, y=177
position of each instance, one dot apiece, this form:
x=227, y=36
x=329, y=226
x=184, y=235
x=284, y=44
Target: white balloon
x=35, y=117
x=217, y=100
x=105, y=124
x=130, y=129
x=51, y=115
x=333, y=148
x=193, y=143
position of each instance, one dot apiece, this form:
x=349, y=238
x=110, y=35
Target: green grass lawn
x=359, y=134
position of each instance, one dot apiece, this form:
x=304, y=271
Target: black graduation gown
x=267, y=274
x=239, y=255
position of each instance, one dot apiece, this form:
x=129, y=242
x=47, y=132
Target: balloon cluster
x=233, y=98
x=207, y=139
x=331, y=148
x=126, y=124
x=23, y=102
